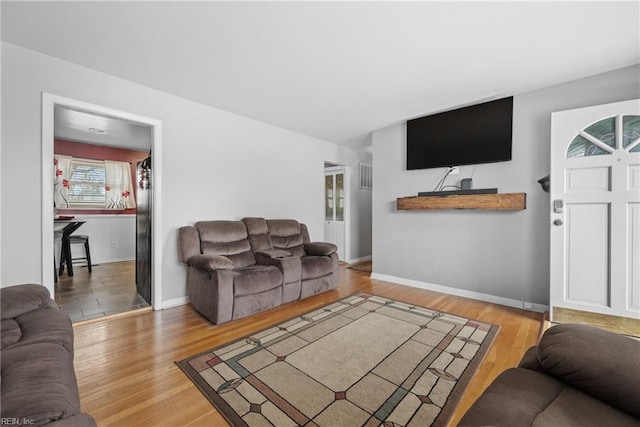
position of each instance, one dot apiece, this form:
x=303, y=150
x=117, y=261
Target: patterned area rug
x=362, y=361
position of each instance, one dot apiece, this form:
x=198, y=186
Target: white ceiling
x=82, y=126
x=334, y=70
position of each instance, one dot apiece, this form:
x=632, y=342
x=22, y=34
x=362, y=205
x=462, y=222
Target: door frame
x=347, y=206
x=49, y=101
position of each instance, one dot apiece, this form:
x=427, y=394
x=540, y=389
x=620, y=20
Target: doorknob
x=557, y=222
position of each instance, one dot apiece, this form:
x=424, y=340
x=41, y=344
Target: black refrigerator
x=143, y=229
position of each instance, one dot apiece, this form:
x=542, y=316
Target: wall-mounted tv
x=471, y=135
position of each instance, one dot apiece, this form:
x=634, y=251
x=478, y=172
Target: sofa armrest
x=210, y=262
x=20, y=299
x=597, y=362
x=320, y=248
x=530, y=360
x=274, y=253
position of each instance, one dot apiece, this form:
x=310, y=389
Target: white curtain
x=119, y=188
x=61, y=171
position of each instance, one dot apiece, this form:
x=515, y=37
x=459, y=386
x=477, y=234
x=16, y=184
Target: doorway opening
x=112, y=286
x=337, y=208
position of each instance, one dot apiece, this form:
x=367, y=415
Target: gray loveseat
x=238, y=268
x=38, y=380
x=576, y=376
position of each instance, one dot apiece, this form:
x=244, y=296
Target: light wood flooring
x=109, y=289
x=127, y=375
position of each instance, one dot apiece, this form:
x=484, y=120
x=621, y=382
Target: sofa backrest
x=226, y=238
x=288, y=234
x=258, y=234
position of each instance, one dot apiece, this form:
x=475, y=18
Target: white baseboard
x=509, y=302
x=107, y=261
x=356, y=260
x=176, y=302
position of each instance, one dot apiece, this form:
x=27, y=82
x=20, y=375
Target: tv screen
x=471, y=135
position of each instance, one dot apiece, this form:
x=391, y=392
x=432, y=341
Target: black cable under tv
x=458, y=192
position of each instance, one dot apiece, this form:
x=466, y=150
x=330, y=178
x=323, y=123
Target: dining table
x=62, y=229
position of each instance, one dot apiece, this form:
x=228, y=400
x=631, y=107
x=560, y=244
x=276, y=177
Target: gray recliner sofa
x=576, y=376
x=318, y=260
x=38, y=379
x=235, y=269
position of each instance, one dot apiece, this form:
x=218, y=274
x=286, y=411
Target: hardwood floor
x=109, y=289
x=127, y=375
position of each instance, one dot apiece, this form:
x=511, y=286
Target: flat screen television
x=471, y=135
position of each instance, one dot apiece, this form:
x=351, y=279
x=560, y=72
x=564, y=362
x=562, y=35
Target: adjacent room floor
x=108, y=289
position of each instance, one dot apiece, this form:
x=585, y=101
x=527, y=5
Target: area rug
x=362, y=361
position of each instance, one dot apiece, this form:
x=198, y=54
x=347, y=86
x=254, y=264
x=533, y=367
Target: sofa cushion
x=597, y=362
x=210, y=262
x=316, y=266
x=258, y=234
x=283, y=227
x=10, y=332
x=574, y=408
x=288, y=234
x=292, y=244
x=17, y=300
x=256, y=279
x=45, y=325
x=256, y=225
x=514, y=398
x=523, y=397
x=225, y=248
x=221, y=231
x=260, y=242
x=38, y=383
x=226, y=238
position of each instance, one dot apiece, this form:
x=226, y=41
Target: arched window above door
x=602, y=137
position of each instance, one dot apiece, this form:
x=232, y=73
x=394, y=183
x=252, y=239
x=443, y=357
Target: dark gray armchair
x=38, y=379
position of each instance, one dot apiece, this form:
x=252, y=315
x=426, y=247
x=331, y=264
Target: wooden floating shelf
x=497, y=201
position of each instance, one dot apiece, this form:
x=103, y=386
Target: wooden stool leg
x=88, y=254
x=69, y=260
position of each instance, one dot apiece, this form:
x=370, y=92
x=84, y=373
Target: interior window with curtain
x=62, y=170
x=87, y=184
x=92, y=184
x=119, y=188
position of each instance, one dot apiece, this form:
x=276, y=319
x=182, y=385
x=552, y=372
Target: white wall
x=360, y=221
x=216, y=165
x=503, y=254
x=0, y=150
x=112, y=238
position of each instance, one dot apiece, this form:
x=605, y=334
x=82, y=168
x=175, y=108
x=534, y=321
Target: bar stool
x=76, y=239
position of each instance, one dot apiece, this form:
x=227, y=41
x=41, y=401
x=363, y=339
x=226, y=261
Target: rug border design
x=443, y=417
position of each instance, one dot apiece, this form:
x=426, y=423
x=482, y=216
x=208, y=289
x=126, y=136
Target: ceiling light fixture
x=96, y=130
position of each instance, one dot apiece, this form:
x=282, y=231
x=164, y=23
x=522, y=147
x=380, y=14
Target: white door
x=595, y=209
x=334, y=208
